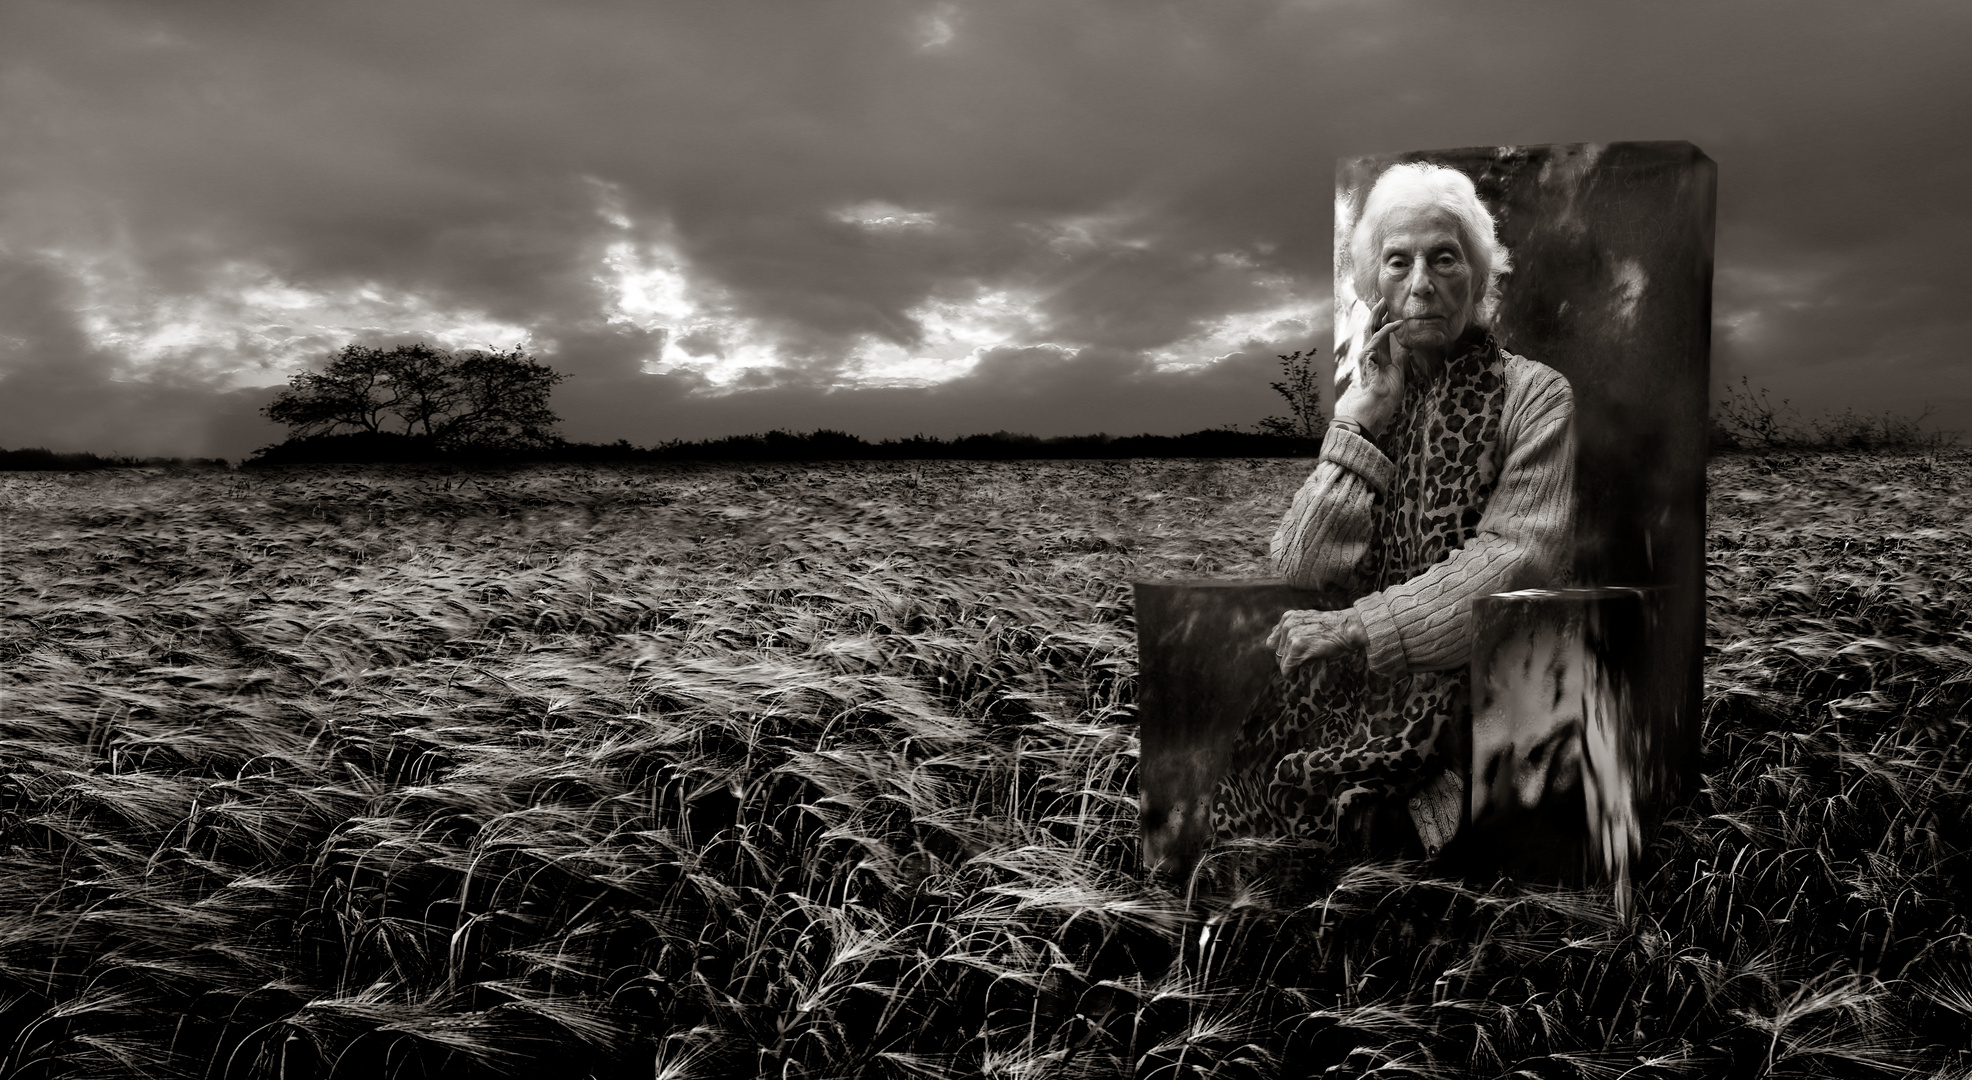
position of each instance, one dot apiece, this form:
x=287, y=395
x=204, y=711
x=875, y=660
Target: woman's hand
x=1369, y=389
x=1301, y=636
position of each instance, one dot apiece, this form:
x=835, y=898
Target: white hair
x=1420, y=186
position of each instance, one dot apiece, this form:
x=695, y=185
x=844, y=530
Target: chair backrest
x=1611, y=285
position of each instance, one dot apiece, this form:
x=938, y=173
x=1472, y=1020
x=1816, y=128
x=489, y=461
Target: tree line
x=416, y=402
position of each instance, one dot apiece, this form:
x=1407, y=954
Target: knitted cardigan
x=1526, y=528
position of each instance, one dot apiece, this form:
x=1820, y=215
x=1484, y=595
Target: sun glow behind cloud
x=238, y=323
x=877, y=214
x=1291, y=317
x=953, y=331
x=956, y=332
x=245, y=326
x=934, y=27
x=648, y=286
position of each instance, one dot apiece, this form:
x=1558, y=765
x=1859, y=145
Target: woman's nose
x=1420, y=280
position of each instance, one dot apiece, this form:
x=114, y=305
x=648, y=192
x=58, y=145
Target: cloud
x=61, y=390
x=844, y=208
x=1040, y=391
x=1854, y=326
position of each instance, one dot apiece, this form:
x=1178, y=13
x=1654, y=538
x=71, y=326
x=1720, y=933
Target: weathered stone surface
x=1202, y=662
x=1438, y=810
x=1561, y=710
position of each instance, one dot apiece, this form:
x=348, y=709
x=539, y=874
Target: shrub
x=1304, y=400
x=1747, y=419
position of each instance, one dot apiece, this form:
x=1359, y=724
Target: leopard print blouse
x=1332, y=736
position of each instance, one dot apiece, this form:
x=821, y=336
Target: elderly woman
x=1446, y=475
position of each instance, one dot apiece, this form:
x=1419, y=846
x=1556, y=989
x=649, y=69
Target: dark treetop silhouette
x=465, y=400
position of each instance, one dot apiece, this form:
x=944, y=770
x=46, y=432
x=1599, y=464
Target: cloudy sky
x=899, y=216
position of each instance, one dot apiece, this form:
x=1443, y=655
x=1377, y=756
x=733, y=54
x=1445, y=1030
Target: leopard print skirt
x=1332, y=737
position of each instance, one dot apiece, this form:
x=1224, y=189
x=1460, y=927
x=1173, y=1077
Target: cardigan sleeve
x=1326, y=531
x=1524, y=538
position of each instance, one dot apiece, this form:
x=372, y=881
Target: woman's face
x=1424, y=277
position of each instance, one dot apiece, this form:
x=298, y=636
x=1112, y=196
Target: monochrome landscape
x=830, y=770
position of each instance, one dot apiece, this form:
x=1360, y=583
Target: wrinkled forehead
x=1419, y=225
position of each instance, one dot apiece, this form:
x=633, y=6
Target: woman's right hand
x=1301, y=636
x=1369, y=387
